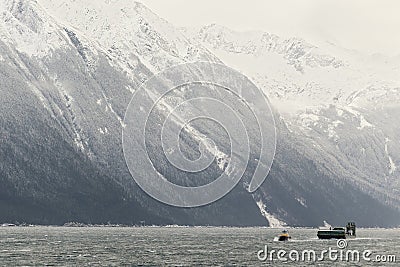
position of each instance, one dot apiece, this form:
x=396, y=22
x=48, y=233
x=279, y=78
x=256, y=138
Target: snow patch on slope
x=79, y=138
x=363, y=122
x=272, y=220
x=392, y=165
x=302, y=201
x=111, y=109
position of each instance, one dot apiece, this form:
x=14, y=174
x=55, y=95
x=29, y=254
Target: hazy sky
x=370, y=26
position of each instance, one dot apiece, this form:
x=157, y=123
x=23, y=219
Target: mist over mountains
x=68, y=71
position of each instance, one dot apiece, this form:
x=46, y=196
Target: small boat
x=8, y=225
x=284, y=236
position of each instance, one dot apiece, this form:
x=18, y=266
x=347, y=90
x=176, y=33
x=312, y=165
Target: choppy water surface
x=151, y=246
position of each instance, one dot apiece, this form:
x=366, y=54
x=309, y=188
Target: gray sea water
x=156, y=246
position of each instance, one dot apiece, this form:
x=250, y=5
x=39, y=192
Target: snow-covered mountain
x=126, y=29
x=68, y=70
x=63, y=99
x=296, y=74
x=343, y=104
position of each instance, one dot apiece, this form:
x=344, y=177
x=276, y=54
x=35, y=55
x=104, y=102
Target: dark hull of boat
x=331, y=234
x=283, y=238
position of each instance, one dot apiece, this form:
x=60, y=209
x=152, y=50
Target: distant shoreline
x=80, y=225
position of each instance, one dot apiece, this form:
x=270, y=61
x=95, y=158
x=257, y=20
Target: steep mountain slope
x=62, y=106
x=68, y=71
x=342, y=105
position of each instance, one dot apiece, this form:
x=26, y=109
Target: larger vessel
x=338, y=232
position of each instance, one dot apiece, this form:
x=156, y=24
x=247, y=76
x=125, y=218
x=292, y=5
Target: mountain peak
x=28, y=28
x=125, y=29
